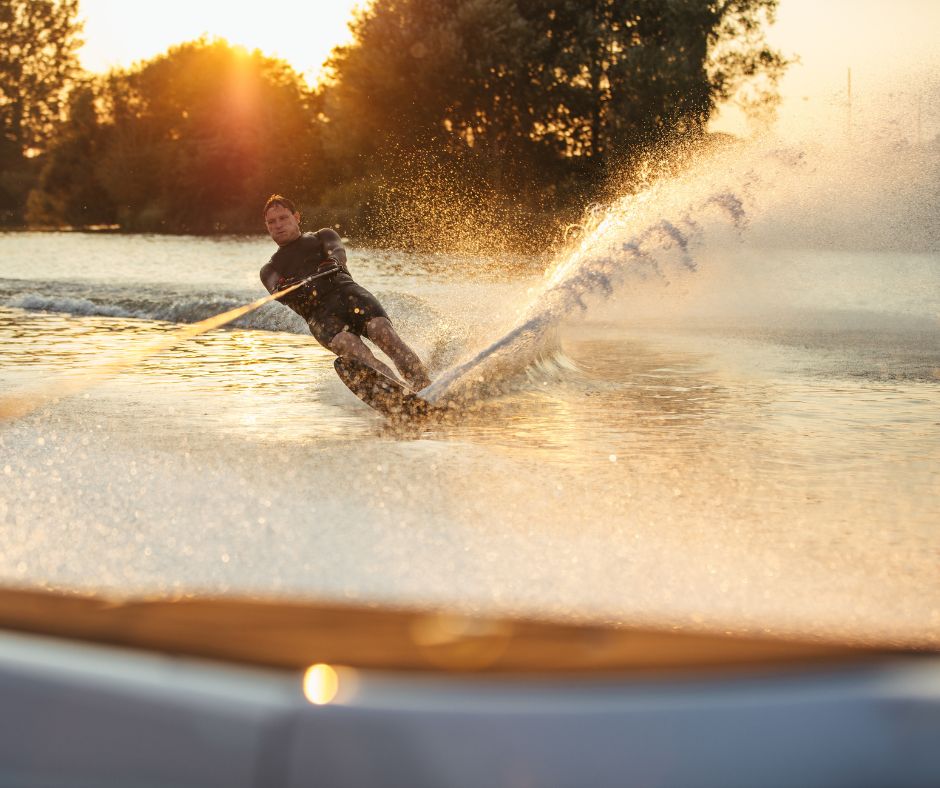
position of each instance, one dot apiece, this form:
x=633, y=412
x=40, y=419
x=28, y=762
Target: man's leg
x=345, y=343
x=381, y=332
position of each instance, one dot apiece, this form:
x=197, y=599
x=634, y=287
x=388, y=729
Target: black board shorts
x=348, y=308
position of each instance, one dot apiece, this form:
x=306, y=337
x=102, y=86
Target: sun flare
x=303, y=33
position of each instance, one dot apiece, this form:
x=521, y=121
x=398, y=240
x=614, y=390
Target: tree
x=743, y=69
x=39, y=40
x=70, y=191
x=191, y=141
x=38, y=59
x=625, y=75
x=534, y=101
x=429, y=111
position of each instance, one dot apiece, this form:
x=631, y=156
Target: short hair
x=276, y=199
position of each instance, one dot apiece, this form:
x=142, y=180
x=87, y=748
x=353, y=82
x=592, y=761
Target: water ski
x=388, y=396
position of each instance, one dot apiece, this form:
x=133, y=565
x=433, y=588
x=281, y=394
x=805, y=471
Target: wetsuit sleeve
x=270, y=277
x=332, y=245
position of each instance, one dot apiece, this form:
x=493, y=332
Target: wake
x=640, y=240
x=686, y=235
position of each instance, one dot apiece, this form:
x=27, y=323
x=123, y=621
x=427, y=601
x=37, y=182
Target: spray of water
x=706, y=239
x=643, y=237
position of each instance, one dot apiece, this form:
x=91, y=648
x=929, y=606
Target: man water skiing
x=338, y=311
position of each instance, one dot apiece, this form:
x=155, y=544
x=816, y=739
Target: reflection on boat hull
x=79, y=715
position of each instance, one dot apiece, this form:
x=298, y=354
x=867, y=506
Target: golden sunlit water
x=697, y=418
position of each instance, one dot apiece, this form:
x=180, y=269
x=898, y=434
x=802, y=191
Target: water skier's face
x=283, y=226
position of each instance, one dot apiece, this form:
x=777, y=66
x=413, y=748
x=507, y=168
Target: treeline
x=473, y=124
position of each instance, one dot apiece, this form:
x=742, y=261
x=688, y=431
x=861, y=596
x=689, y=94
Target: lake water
x=719, y=409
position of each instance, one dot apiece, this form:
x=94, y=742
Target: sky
x=890, y=45
x=121, y=32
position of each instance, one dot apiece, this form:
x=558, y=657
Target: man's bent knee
x=345, y=343
x=350, y=345
x=379, y=328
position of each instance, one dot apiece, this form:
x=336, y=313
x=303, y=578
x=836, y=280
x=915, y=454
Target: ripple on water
x=645, y=478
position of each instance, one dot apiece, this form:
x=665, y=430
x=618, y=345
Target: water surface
x=745, y=439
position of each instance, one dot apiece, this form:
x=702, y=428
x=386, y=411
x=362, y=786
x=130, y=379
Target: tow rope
x=19, y=404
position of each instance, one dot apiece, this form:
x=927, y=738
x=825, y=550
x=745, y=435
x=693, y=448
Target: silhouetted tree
x=191, y=141
x=425, y=112
x=468, y=123
x=533, y=101
x=71, y=192
x=39, y=40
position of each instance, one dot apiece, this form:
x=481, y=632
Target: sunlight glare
x=119, y=33
x=321, y=683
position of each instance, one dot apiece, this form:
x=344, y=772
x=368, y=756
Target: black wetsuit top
x=301, y=258
x=331, y=304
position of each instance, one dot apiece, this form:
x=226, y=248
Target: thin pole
x=848, y=113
